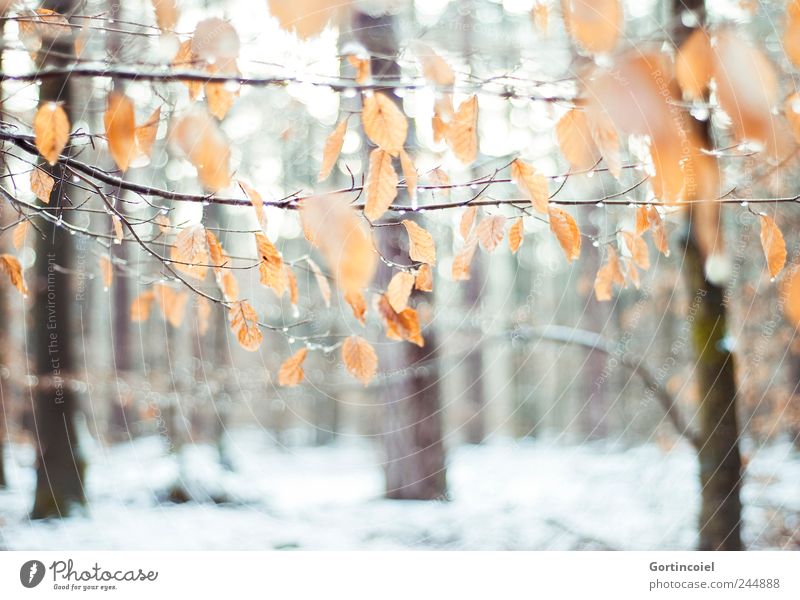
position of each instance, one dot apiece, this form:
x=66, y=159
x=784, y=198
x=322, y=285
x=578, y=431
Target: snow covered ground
x=505, y=495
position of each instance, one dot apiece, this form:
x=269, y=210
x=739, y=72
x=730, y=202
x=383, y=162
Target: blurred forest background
x=533, y=417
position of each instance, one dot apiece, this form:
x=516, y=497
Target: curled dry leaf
x=199, y=137
x=258, y=204
x=322, y=282
x=659, y=233
x=399, y=289
x=462, y=132
x=140, y=307
x=638, y=249
x=424, y=279
x=381, y=184
x=462, y=261
x=291, y=371
x=362, y=67
x=421, y=245
x=145, y=135
x=333, y=147
x=13, y=269
x=20, y=231
x=515, y=235
x=359, y=359
x=409, y=174
x=694, y=65
x=186, y=59
x=403, y=325
x=384, y=123
x=490, y=232
x=270, y=267
x=42, y=184
x=434, y=68
x=219, y=98
x=291, y=283
x=51, y=131
x=467, y=220
x=244, y=323
x=358, y=304
x=532, y=183
x=229, y=285
x=595, y=25
x=608, y=275
x=106, y=271
x=575, y=140
x=190, y=252
x=566, y=231
x=203, y=313
x=791, y=33
x=216, y=254
x=119, y=121
x=773, y=244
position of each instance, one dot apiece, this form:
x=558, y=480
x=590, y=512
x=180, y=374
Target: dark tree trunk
x=60, y=467
x=718, y=453
x=415, y=468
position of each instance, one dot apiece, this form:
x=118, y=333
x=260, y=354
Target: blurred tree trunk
x=60, y=466
x=412, y=436
x=720, y=460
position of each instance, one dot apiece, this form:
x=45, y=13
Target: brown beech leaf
x=190, y=252
x=203, y=313
x=399, y=289
x=595, y=25
x=244, y=323
x=306, y=18
x=172, y=304
x=51, y=131
x=540, y=15
x=216, y=42
x=42, y=184
x=608, y=275
x=424, y=279
x=291, y=371
x=462, y=261
x=434, y=68
x=106, y=271
x=694, y=65
x=333, y=147
x=532, y=183
x=403, y=325
x=258, y=204
x=467, y=220
x=358, y=304
x=575, y=140
x=490, y=232
x=409, y=173
x=362, y=66
x=120, y=124
x=462, y=132
x=515, y=235
x=216, y=255
x=199, y=137
x=20, y=231
x=140, y=307
x=657, y=227
x=606, y=139
x=638, y=249
x=381, y=184
x=439, y=128
x=271, y=265
x=291, y=283
x=790, y=291
x=791, y=33
x=166, y=14
x=359, y=359
x=566, y=231
x=145, y=134
x=185, y=59
x=633, y=274
x=773, y=244
x=384, y=123
x=229, y=285
x=642, y=220
x=421, y=245
x=218, y=97
x=116, y=223
x=322, y=282
x=13, y=269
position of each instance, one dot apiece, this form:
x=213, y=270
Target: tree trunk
x=60, y=467
x=720, y=461
x=415, y=468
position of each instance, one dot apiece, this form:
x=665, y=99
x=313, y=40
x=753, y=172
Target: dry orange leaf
x=216, y=255
x=145, y=134
x=532, y=183
x=120, y=124
x=116, y=223
x=434, y=68
x=399, y=289
x=608, y=275
x=595, y=25
x=20, y=231
x=190, y=252
x=575, y=140
x=291, y=371
x=421, y=245
x=258, y=204
x=291, y=283
x=791, y=33
x=460, y=270
x=203, y=312
x=333, y=147
x=51, y=131
x=229, y=285
x=424, y=280
x=359, y=358
x=172, y=304
x=166, y=14
x=467, y=220
x=42, y=184
x=515, y=235
x=322, y=282
x=13, y=269
x=490, y=232
x=638, y=249
x=410, y=174
x=657, y=227
x=790, y=290
x=381, y=184
x=271, y=266
x=642, y=220
x=462, y=132
x=773, y=244
x=140, y=307
x=694, y=65
x=244, y=322
x=362, y=67
x=566, y=231
x=358, y=304
x=384, y=123
x=106, y=271
x=306, y=18
x=403, y=325
x=199, y=137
